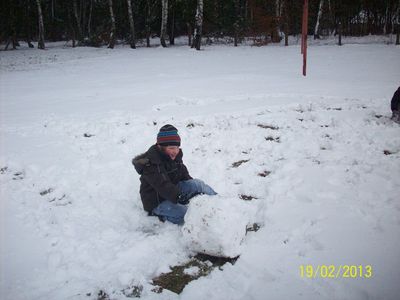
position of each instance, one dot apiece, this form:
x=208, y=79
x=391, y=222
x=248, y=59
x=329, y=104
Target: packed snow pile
x=216, y=225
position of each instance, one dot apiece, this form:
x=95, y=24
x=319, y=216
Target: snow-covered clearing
x=319, y=155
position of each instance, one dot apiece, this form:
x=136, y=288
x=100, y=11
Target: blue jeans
x=175, y=212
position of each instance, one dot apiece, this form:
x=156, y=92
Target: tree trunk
x=147, y=23
x=340, y=34
x=275, y=33
x=89, y=28
x=12, y=28
x=331, y=17
x=132, y=25
x=236, y=25
x=172, y=25
x=286, y=25
x=398, y=24
x=112, y=32
x=27, y=25
x=198, y=30
x=316, y=30
x=386, y=19
x=77, y=22
x=71, y=28
x=41, y=26
x=189, y=29
x=164, y=19
x=83, y=18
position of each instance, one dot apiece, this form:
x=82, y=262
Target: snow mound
x=216, y=225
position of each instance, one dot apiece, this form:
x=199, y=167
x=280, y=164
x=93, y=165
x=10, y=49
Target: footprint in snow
x=19, y=175
x=57, y=200
x=88, y=135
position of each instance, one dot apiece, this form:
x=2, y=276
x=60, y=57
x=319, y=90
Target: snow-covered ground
x=72, y=223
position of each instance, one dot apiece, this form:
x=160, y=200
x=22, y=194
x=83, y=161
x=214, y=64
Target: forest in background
x=107, y=22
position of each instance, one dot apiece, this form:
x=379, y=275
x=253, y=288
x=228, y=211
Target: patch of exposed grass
x=176, y=280
x=268, y=126
x=273, y=139
x=102, y=295
x=238, y=163
x=247, y=197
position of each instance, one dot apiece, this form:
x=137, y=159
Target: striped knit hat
x=168, y=136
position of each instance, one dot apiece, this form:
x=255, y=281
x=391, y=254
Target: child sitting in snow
x=395, y=105
x=165, y=184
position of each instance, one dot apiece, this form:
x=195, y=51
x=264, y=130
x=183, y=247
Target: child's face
x=171, y=151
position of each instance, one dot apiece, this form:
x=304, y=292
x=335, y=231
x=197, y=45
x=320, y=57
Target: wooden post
x=304, y=36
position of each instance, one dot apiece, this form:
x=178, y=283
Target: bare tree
x=172, y=23
x=11, y=31
x=112, y=32
x=89, y=24
x=150, y=4
x=132, y=25
x=286, y=22
x=77, y=22
x=41, y=26
x=71, y=27
x=236, y=25
x=397, y=24
x=198, y=30
x=316, y=30
x=28, y=28
x=189, y=30
x=275, y=33
x=385, y=25
x=164, y=19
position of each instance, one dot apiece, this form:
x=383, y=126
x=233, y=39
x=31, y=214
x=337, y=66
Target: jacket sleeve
x=185, y=173
x=161, y=183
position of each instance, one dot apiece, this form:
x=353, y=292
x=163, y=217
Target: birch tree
x=112, y=32
x=316, y=30
x=164, y=19
x=131, y=24
x=198, y=30
x=41, y=26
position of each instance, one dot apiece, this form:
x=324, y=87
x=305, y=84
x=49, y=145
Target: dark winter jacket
x=159, y=176
x=395, y=104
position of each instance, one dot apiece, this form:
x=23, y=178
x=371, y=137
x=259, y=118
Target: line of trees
x=104, y=22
